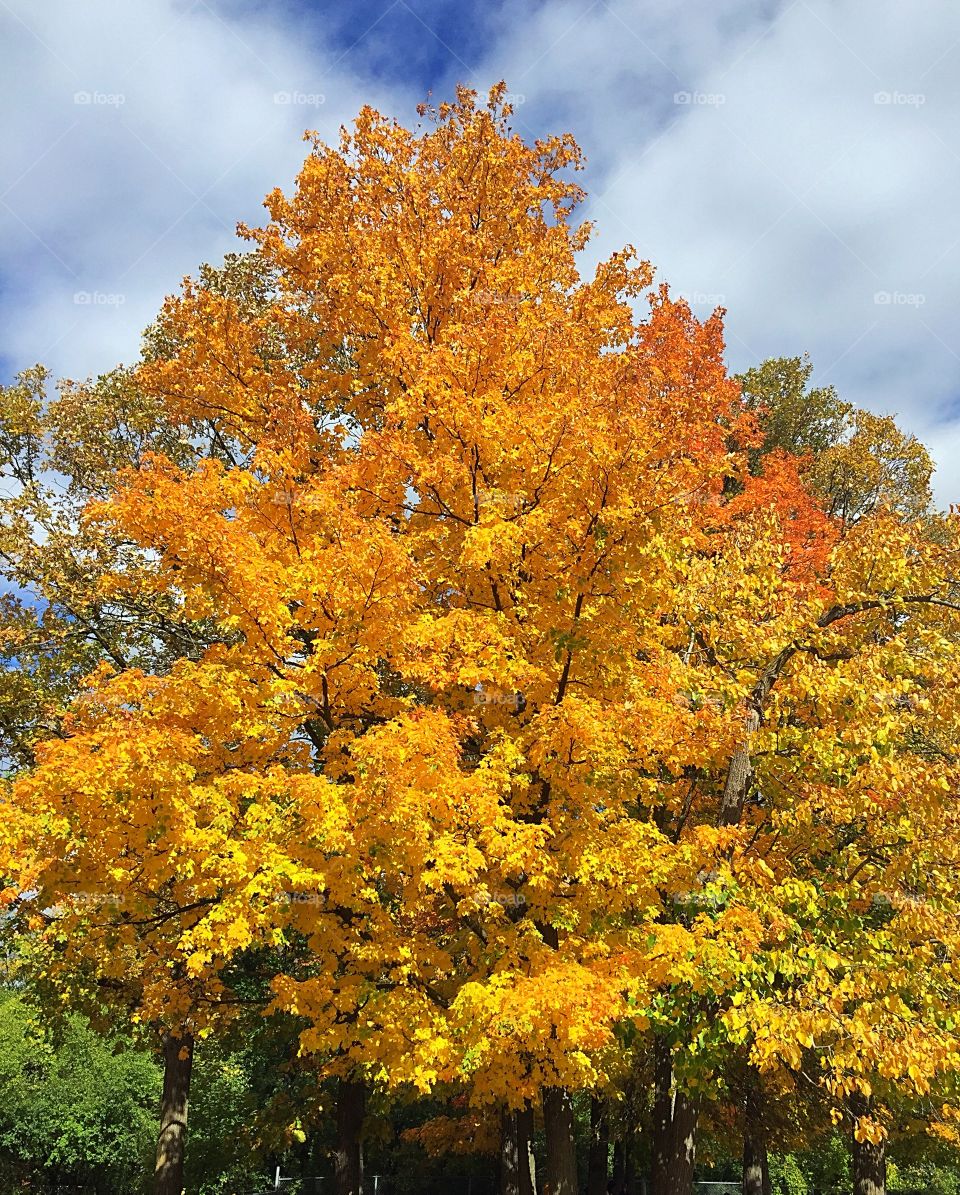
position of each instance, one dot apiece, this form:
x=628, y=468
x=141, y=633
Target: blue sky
x=429, y=44
x=795, y=161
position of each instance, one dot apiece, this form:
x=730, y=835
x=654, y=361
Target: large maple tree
x=547, y=705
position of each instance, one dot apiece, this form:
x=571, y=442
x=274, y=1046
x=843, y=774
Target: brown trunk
x=509, y=1153
x=869, y=1160
x=736, y=787
x=599, y=1147
x=619, y=1166
x=739, y=774
x=348, y=1155
x=528, y=1164
x=756, y=1168
x=561, y=1168
x=675, y=1117
x=631, y=1185
x=756, y=1171
x=172, y=1141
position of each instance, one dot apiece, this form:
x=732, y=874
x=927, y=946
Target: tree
x=856, y=463
x=793, y=416
x=63, y=620
x=551, y=704
x=417, y=436
x=76, y=1109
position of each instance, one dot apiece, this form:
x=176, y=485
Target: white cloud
x=136, y=136
x=807, y=179
x=793, y=160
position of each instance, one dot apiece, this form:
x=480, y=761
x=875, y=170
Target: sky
x=796, y=162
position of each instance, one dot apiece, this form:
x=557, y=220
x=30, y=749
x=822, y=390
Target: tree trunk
x=739, y=773
x=869, y=1160
x=528, y=1163
x=561, y=1168
x=756, y=1171
x=619, y=1166
x=675, y=1117
x=348, y=1155
x=509, y=1152
x=756, y=1168
x=599, y=1147
x=631, y=1182
x=172, y=1141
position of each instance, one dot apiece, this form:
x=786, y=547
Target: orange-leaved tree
x=110, y=919
x=477, y=481
x=511, y=628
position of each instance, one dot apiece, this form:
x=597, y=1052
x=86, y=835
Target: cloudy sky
x=795, y=161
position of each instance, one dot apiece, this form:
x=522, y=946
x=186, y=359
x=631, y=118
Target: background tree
x=61, y=618
x=77, y=1110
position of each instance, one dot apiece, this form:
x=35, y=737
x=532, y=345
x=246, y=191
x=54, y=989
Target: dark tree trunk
x=619, y=1166
x=632, y=1185
x=172, y=1141
x=561, y=1162
x=756, y=1168
x=509, y=1152
x=869, y=1160
x=528, y=1164
x=675, y=1117
x=756, y=1171
x=348, y=1155
x=599, y=1147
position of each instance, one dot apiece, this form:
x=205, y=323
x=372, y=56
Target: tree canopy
x=525, y=693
